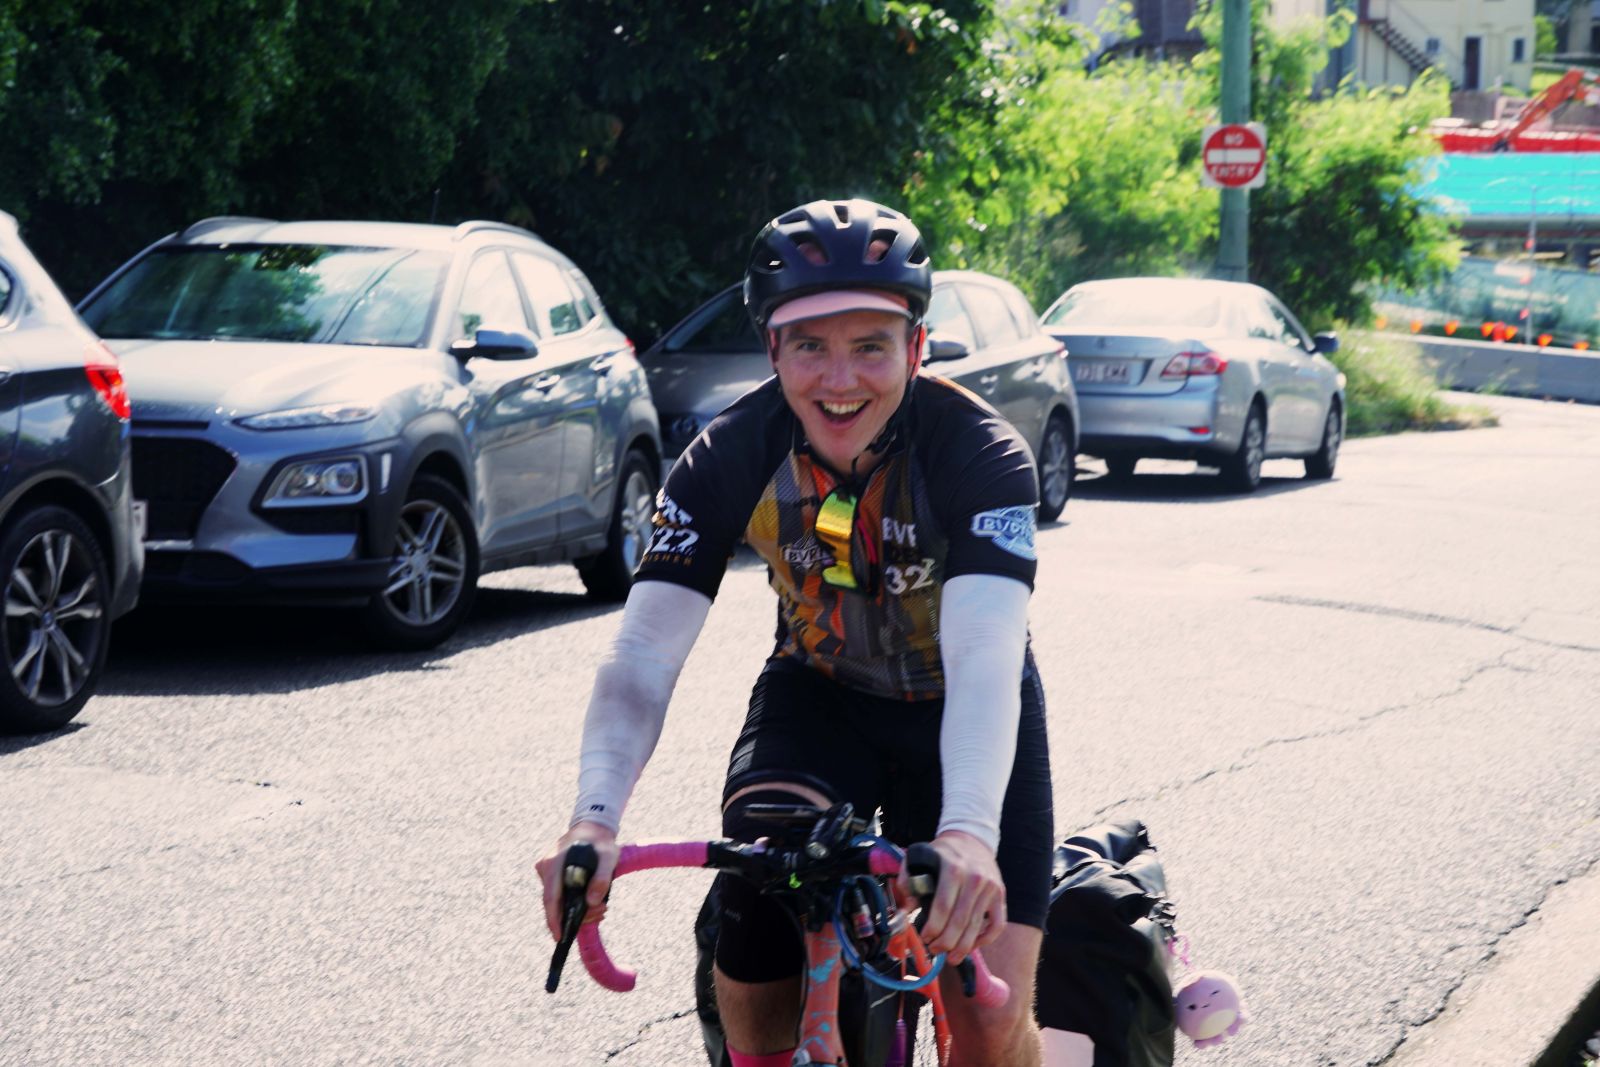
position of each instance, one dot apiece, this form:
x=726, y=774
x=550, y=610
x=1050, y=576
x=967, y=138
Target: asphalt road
x=1359, y=718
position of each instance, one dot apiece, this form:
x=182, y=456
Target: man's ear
x=919, y=340
x=772, y=347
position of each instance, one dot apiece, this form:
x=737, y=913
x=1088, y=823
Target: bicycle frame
x=820, y=1038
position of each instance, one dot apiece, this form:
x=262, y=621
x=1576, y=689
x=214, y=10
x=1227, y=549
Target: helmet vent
x=878, y=246
x=841, y=211
x=918, y=255
x=792, y=217
x=812, y=250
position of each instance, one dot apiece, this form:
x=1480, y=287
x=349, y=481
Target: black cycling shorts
x=876, y=752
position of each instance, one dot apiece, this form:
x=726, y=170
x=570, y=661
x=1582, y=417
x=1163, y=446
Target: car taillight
x=100, y=365
x=1194, y=365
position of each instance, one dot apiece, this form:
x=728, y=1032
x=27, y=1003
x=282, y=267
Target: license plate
x=141, y=518
x=1115, y=373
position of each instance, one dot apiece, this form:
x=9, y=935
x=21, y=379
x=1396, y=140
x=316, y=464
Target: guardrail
x=1516, y=370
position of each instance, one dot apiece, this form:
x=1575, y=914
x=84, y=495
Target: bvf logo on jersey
x=1010, y=528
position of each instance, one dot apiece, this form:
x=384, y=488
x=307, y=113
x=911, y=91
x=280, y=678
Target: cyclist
x=895, y=512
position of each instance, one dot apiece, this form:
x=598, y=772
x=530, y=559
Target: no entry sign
x=1234, y=157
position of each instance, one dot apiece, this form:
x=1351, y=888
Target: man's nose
x=839, y=371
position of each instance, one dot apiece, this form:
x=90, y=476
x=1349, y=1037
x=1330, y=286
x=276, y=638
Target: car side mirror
x=941, y=349
x=495, y=344
x=1326, y=343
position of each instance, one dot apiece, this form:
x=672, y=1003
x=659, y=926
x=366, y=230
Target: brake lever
x=922, y=868
x=578, y=868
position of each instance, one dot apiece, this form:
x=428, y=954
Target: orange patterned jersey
x=955, y=494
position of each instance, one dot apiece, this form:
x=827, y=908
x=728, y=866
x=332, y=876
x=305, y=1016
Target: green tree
x=1048, y=174
x=1341, y=208
x=650, y=141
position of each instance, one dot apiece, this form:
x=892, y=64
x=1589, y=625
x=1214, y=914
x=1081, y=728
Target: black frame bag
x=1103, y=967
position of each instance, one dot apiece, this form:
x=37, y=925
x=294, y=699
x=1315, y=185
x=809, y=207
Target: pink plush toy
x=1209, y=1007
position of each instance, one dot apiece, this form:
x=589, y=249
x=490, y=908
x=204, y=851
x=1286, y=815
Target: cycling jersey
x=954, y=494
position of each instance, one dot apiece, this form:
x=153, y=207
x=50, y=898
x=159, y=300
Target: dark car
x=374, y=414
x=981, y=333
x=70, y=554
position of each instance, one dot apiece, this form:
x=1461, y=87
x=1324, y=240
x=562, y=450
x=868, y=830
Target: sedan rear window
x=310, y=293
x=1140, y=307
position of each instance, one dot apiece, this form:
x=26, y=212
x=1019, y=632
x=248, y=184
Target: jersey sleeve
x=705, y=506
x=990, y=498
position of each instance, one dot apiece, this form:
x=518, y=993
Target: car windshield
x=316, y=294
x=722, y=326
x=1143, y=307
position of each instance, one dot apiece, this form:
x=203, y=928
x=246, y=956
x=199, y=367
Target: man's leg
x=1005, y=1036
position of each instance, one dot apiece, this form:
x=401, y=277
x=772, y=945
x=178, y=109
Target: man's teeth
x=843, y=409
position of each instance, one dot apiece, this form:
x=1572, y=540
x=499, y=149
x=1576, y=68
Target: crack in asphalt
x=1418, y=616
x=1409, y=1029
x=1245, y=761
x=639, y=1037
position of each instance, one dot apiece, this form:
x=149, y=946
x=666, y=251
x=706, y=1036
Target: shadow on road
x=1163, y=488
x=195, y=650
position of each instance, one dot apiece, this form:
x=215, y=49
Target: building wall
x=1449, y=24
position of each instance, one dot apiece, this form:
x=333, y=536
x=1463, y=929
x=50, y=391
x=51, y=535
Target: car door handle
x=603, y=364
x=546, y=383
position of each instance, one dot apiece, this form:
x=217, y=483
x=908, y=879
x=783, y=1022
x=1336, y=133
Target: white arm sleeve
x=983, y=637
x=632, y=689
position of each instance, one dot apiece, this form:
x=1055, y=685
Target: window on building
x=1519, y=49
x=1432, y=46
x=1066, y=9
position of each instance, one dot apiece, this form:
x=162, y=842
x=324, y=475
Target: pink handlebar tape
x=633, y=858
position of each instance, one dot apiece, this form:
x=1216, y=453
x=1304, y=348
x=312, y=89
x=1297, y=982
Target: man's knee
x=1007, y=1034
x=759, y=940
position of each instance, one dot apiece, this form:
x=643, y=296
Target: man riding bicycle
x=895, y=513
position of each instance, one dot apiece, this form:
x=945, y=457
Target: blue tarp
x=1553, y=185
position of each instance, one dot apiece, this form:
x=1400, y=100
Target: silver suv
x=374, y=414
x=69, y=542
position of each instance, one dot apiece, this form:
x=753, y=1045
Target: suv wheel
x=56, y=629
x=433, y=570
x=609, y=575
x=1056, y=467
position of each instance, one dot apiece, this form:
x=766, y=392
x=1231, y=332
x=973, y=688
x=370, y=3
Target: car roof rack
x=219, y=222
x=472, y=226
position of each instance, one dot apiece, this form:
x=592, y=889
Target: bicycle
x=838, y=877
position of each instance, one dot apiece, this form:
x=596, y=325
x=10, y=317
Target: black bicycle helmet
x=836, y=244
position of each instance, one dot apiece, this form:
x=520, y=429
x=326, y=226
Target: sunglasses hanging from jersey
x=835, y=526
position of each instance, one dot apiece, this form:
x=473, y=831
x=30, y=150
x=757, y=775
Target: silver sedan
x=1218, y=372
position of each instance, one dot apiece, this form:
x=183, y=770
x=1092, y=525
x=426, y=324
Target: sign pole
x=1233, y=249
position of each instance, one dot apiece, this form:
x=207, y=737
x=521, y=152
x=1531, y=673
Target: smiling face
x=844, y=376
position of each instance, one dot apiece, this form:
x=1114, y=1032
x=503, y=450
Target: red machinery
x=1518, y=137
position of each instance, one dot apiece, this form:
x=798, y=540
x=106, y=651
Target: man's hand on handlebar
x=969, y=906
x=550, y=869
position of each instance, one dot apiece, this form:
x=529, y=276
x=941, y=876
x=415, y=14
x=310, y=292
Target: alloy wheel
x=54, y=618
x=429, y=565
x=638, y=508
x=1055, y=467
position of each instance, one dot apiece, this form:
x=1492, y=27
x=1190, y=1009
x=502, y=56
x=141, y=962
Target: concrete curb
x=1534, y=998
x=1518, y=370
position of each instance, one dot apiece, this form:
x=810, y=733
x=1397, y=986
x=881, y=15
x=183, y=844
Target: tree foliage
x=1062, y=174
x=649, y=141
